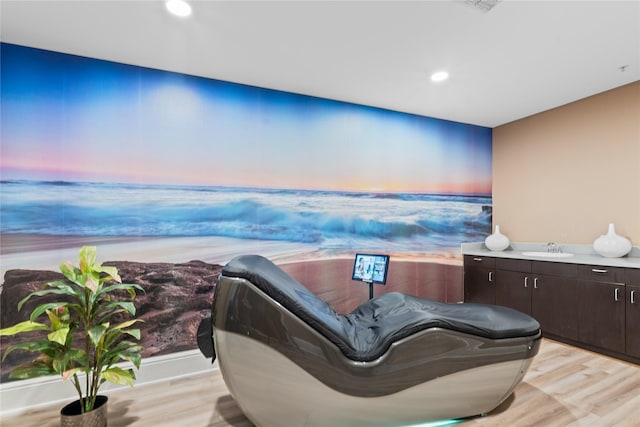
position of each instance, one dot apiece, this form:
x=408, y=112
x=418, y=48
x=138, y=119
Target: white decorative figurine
x=612, y=245
x=497, y=241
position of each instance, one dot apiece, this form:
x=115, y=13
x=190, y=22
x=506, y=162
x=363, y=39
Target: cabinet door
x=633, y=320
x=479, y=286
x=513, y=289
x=554, y=305
x=479, y=279
x=633, y=312
x=601, y=314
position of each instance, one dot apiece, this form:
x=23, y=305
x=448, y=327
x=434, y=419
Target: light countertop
x=583, y=254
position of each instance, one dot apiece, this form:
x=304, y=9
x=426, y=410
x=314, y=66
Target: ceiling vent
x=483, y=6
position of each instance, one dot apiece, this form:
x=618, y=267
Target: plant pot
x=71, y=416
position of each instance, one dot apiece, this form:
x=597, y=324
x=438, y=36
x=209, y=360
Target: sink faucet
x=554, y=248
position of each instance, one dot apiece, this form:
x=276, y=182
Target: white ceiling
x=518, y=59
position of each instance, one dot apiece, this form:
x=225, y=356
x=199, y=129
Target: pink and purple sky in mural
x=77, y=119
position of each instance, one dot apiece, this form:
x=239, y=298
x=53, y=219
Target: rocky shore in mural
x=176, y=298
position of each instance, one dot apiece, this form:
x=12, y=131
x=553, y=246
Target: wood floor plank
x=565, y=387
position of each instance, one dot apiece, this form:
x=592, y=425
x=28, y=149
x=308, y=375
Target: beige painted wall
x=563, y=175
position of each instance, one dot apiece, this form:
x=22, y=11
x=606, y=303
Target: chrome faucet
x=554, y=248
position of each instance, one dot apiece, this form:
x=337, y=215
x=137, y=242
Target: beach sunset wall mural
x=159, y=167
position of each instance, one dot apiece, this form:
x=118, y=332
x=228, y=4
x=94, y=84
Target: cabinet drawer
x=600, y=273
x=521, y=265
x=479, y=261
x=632, y=276
x=554, y=268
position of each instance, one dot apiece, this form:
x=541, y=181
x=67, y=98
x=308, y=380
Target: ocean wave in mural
x=329, y=219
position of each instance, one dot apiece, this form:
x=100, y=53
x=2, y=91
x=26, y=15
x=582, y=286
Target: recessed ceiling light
x=178, y=7
x=439, y=76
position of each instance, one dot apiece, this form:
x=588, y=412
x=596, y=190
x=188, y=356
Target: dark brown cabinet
x=553, y=299
x=632, y=281
x=479, y=279
x=513, y=290
x=513, y=287
x=544, y=290
x=601, y=307
x=596, y=307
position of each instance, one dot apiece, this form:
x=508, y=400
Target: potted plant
x=80, y=341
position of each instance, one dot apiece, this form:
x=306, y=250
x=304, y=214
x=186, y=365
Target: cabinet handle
x=633, y=297
x=478, y=259
x=615, y=294
x=535, y=283
x=525, y=281
x=599, y=270
x=491, y=276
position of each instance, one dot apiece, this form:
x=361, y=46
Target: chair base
x=272, y=390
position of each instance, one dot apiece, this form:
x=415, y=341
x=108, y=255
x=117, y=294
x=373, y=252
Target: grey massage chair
x=289, y=359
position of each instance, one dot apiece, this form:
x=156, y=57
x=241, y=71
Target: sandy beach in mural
x=44, y=252
x=325, y=272
x=33, y=251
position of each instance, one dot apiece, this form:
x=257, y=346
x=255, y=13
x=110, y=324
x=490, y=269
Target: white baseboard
x=22, y=395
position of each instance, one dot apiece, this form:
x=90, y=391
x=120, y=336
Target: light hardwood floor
x=565, y=386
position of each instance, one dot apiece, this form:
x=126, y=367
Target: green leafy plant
x=80, y=337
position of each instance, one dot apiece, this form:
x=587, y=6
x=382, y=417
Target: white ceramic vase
x=612, y=245
x=497, y=241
